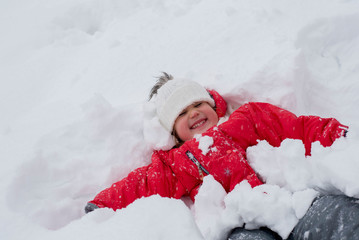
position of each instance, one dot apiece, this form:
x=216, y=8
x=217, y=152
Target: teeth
x=198, y=124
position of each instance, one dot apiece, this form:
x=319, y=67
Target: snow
x=108, y=224
x=204, y=143
x=268, y=205
x=154, y=133
x=74, y=79
x=287, y=167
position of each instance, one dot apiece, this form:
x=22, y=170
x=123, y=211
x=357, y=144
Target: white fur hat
x=174, y=96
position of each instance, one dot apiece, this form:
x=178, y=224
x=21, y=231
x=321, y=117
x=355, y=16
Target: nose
x=193, y=113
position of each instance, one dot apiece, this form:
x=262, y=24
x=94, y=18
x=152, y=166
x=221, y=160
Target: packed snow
x=75, y=77
x=204, y=143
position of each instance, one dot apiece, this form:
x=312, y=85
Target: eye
x=182, y=113
x=198, y=104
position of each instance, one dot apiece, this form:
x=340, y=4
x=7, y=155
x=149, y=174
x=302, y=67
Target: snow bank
x=74, y=76
x=141, y=220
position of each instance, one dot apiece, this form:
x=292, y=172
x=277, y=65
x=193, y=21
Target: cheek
x=215, y=118
x=181, y=127
x=212, y=117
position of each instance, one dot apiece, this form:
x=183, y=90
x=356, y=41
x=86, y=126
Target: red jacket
x=173, y=174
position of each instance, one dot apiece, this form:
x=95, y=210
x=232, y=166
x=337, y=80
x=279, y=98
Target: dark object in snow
x=345, y=132
x=257, y=234
x=90, y=207
x=329, y=217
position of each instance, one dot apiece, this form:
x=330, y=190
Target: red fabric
x=221, y=104
x=173, y=174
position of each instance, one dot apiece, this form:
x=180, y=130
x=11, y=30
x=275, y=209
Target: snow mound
x=328, y=170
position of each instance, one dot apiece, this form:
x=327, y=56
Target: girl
x=191, y=114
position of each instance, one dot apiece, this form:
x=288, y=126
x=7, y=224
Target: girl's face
x=195, y=119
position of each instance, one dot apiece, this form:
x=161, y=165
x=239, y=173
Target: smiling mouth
x=198, y=124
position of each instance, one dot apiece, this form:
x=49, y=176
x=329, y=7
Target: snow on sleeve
x=205, y=142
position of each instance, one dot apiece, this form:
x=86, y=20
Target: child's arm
x=262, y=121
x=156, y=178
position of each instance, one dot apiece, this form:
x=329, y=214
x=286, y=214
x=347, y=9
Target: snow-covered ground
x=74, y=75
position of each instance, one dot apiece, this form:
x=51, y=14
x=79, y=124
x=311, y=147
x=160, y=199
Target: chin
x=201, y=131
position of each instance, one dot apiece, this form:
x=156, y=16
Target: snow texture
x=74, y=82
x=266, y=205
x=204, y=143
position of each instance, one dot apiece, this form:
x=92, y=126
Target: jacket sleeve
x=156, y=178
x=262, y=121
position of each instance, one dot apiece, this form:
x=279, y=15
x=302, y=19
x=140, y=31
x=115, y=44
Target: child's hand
x=341, y=131
x=90, y=207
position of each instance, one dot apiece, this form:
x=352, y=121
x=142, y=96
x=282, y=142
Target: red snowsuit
x=173, y=174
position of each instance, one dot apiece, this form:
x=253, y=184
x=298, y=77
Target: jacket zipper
x=200, y=167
